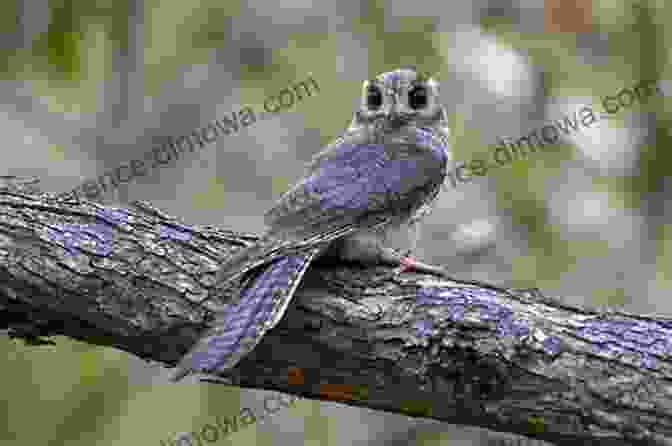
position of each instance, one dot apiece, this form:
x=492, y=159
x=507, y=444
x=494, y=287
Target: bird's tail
x=240, y=327
x=248, y=259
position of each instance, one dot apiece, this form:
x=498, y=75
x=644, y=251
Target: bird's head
x=401, y=98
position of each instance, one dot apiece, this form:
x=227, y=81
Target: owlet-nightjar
x=384, y=172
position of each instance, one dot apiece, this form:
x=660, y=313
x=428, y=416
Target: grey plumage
x=385, y=171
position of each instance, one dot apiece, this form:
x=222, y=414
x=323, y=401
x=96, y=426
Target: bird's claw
x=407, y=263
x=396, y=272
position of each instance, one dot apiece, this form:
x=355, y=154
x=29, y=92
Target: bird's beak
x=394, y=118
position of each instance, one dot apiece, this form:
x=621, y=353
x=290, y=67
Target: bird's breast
x=418, y=141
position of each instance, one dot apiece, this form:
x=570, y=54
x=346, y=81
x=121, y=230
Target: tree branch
x=509, y=360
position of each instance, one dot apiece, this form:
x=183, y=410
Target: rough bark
x=509, y=360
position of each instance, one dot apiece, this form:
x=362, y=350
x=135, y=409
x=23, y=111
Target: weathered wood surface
x=510, y=360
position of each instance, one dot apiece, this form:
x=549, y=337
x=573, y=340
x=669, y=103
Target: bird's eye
x=417, y=98
x=374, y=98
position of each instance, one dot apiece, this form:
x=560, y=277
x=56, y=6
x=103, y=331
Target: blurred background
x=90, y=84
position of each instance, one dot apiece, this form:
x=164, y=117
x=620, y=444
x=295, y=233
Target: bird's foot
x=406, y=263
x=409, y=263
x=394, y=259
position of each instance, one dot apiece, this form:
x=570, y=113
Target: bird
x=385, y=171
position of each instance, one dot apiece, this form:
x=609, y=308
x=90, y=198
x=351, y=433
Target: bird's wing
x=353, y=184
x=354, y=180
